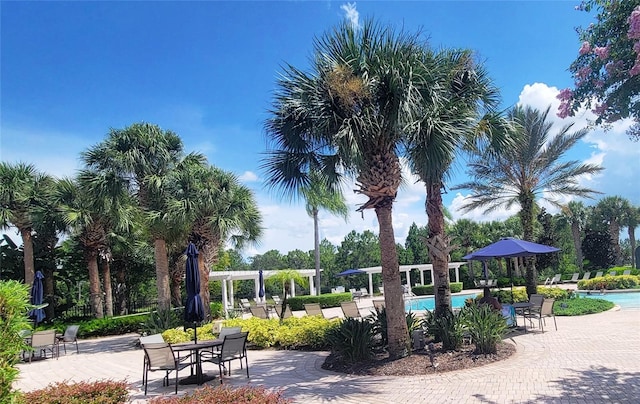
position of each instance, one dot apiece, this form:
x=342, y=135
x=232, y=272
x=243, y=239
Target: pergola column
x=256, y=284
x=370, y=283
x=231, y=299
x=421, y=276
x=293, y=288
x=224, y=297
x=312, y=288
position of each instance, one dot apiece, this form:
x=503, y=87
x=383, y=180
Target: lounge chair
x=287, y=311
x=364, y=292
x=276, y=300
x=245, y=305
x=160, y=356
x=70, y=335
x=313, y=309
x=381, y=289
x=234, y=347
x=259, y=311
x=43, y=342
x=555, y=279
x=613, y=273
x=350, y=310
x=586, y=276
x=598, y=274
x=378, y=304
x=546, y=281
x=626, y=272
x=574, y=278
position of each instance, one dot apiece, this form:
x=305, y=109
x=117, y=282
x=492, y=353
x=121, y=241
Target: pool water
x=626, y=300
x=428, y=303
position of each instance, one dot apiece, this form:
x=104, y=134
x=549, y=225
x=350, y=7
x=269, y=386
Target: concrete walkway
x=590, y=359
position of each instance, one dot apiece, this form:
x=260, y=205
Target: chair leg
x=246, y=360
x=554, y=322
x=220, y=370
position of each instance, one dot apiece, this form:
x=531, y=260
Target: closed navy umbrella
x=351, y=272
x=193, y=309
x=260, y=284
x=37, y=296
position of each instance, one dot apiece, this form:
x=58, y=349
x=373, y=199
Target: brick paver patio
x=590, y=359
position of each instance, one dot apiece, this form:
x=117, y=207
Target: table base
x=193, y=379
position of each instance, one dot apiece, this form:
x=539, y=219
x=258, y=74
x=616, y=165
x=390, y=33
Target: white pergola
x=407, y=270
x=227, y=278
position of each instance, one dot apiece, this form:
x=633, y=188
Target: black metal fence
x=133, y=306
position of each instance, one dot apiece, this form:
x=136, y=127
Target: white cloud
x=248, y=176
x=478, y=214
x=351, y=14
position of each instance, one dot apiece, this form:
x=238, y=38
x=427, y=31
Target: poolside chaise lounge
x=350, y=310
x=626, y=272
x=586, y=276
x=555, y=279
x=574, y=278
x=598, y=274
x=260, y=312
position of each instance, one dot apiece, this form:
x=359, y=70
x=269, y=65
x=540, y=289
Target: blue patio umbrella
x=260, y=284
x=193, y=308
x=509, y=247
x=351, y=272
x=37, y=296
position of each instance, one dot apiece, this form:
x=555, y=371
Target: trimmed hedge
x=428, y=289
x=328, y=300
x=610, y=282
x=226, y=395
x=99, y=392
x=555, y=293
x=110, y=326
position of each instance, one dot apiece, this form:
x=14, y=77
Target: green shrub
x=309, y=331
x=100, y=392
x=14, y=304
x=486, y=327
x=176, y=335
x=424, y=290
x=161, y=320
x=610, y=282
x=352, y=340
x=620, y=270
x=554, y=293
x=506, y=282
x=448, y=329
x=505, y=296
x=328, y=300
x=216, y=310
x=580, y=306
x=379, y=321
x=226, y=395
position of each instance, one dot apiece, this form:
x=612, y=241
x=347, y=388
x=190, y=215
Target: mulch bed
x=419, y=362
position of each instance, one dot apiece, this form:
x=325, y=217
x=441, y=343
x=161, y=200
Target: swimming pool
x=626, y=300
x=428, y=302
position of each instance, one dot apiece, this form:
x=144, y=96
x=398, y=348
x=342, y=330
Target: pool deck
x=589, y=359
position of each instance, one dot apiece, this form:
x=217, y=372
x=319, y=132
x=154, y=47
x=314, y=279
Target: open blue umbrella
x=351, y=272
x=260, y=284
x=193, y=309
x=509, y=247
x=37, y=296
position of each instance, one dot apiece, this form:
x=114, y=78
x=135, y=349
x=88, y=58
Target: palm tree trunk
x=162, y=274
x=397, y=332
x=121, y=290
x=27, y=243
x=176, y=284
x=204, y=283
x=438, y=244
x=577, y=244
x=95, y=296
x=632, y=240
x=614, y=232
x=526, y=219
x=108, y=292
x=316, y=246
x=49, y=291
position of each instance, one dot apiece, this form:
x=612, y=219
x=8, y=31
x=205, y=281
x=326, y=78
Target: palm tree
x=446, y=127
x=348, y=117
x=575, y=214
x=527, y=169
x=22, y=189
x=319, y=196
x=217, y=209
x=284, y=277
x=631, y=220
x=144, y=155
x=610, y=211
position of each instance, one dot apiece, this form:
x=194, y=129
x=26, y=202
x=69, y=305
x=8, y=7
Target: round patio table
x=195, y=348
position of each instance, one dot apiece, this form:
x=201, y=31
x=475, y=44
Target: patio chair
x=350, y=310
x=43, y=342
x=159, y=356
x=586, y=276
x=245, y=305
x=259, y=311
x=546, y=281
x=555, y=279
x=598, y=274
x=546, y=310
x=234, y=347
x=287, y=311
x=378, y=304
x=70, y=335
x=276, y=300
x=364, y=292
x=313, y=309
x=574, y=278
x=613, y=273
x=626, y=272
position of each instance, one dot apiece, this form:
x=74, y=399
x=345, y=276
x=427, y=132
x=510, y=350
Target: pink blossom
x=602, y=52
x=598, y=83
x=636, y=47
x=635, y=70
x=634, y=24
x=585, y=48
x=564, y=110
x=599, y=109
x=583, y=73
x=613, y=68
x=565, y=95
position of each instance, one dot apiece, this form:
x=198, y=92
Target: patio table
x=195, y=348
x=522, y=308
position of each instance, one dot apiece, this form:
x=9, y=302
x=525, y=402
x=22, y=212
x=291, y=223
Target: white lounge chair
x=626, y=272
x=598, y=274
x=574, y=278
x=555, y=279
x=586, y=276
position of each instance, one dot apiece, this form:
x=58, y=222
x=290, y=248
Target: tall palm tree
x=467, y=92
x=528, y=168
x=319, y=196
x=631, y=220
x=217, y=209
x=610, y=211
x=22, y=189
x=348, y=117
x=575, y=214
x=144, y=155
x=284, y=277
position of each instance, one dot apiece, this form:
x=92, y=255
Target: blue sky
x=207, y=70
